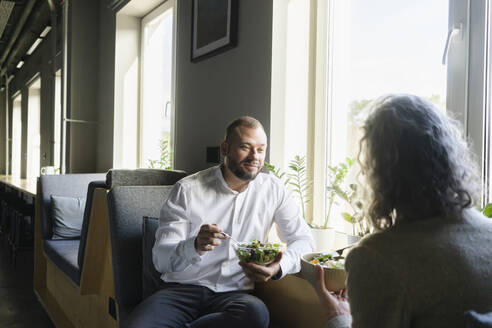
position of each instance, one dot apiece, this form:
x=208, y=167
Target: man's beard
x=240, y=173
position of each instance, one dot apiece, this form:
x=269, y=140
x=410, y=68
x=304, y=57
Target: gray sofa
x=66, y=253
x=133, y=271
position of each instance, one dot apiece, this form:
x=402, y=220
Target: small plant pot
x=324, y=239
x=352, y=239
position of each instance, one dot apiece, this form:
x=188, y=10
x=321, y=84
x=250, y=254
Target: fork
x=230, y=237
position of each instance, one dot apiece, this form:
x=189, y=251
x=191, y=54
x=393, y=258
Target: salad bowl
x=256, y=252
x=333, y=265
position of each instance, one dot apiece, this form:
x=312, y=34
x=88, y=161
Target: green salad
x=328, y=261
x=257, y=252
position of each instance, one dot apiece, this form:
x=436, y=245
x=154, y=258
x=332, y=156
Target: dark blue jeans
x=178, y=306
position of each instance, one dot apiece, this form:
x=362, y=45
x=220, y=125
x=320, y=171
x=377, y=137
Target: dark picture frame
x=214, y=27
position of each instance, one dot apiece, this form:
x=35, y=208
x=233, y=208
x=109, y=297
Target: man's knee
x=254, y=312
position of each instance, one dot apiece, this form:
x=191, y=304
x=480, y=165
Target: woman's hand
x=332, y=304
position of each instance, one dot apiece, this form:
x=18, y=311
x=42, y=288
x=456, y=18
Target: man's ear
x=224, y=148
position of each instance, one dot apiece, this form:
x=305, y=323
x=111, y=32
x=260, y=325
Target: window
x=330, y=59
x=157, y=85
x=33, y=129
x=16, y=135
x=57, y=121
x=144, y=88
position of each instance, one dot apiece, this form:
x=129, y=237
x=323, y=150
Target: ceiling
x=6, y=8
x=21, y=22
x=10, y=14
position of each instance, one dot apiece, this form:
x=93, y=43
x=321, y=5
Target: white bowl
x=335, y=279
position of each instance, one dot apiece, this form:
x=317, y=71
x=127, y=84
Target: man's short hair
x=246, y=121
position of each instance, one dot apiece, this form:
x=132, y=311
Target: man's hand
x=262, y=273
x=208, y=237
x=331, y=303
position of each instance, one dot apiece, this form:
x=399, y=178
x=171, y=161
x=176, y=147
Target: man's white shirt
x=205, y=198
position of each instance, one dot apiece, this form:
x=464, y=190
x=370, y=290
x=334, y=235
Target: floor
x=19, y=307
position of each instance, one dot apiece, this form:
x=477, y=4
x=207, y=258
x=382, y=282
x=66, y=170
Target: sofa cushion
x=67, y=214
x=143, y=177
x=68, y=185
x=63, y=252
x=151, y=278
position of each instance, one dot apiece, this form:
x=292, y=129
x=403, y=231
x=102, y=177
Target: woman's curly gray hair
x=416, y=162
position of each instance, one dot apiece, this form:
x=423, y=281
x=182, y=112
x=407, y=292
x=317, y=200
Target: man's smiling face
x=244, y=153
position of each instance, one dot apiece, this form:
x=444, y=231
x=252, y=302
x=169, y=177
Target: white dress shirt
x=205, y=198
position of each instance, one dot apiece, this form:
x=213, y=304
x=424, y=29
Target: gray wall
x=107, y=21
x=212, y=92
x=209, y=93
x=83, y=81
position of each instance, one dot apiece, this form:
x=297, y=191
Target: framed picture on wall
x=214, y=28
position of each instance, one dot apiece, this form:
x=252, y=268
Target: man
x=205, y=284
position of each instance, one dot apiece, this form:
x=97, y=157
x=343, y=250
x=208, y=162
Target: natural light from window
x=329, y=62
x=16, y=136
x=380, y=47
x=33, y=129
x=157, y=74
x=57, y=121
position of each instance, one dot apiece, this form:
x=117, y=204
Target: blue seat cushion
x=64, y=252
x=67, y=214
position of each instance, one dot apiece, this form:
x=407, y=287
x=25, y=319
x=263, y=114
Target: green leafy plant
x=278, y=173
x=487, y=210
x=164, y=162
x=337, y=189
x=297, y=180
x=336, y=176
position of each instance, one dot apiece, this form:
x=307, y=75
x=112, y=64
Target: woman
x=431, y=259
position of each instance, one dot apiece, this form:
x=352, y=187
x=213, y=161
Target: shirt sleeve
x=174, y=249
x=376, y=293
x=293, y=230
x=340, y=321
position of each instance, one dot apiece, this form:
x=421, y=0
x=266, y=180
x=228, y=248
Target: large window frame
x=33, y=158
x=169, y=5
x=466, y=100
x=16, y=159
x=128, y=102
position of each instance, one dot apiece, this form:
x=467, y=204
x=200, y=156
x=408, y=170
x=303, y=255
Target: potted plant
x=338, y=189
x=338, y=192
x=164, y=162
x=487, y=210
x=296, y=179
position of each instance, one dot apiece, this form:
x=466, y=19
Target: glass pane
x=296, y=80
x=16, y=136
x=33, y=128
x=57, y=121
x=487, y=187
x=380, y=47
x=157, y=79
